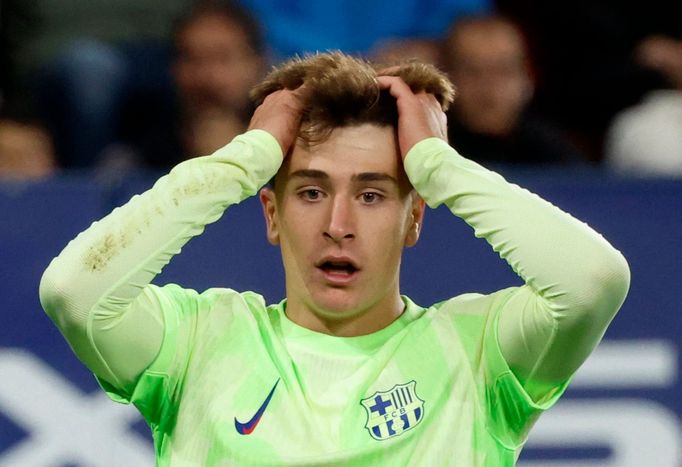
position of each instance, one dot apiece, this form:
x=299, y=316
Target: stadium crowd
x=135, y=85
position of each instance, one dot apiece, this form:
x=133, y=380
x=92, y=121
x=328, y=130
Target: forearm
x=106, y=267
x=575, y=280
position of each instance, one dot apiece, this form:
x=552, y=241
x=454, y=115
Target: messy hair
x=342, y=90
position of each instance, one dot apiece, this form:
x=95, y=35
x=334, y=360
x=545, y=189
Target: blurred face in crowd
x=397, y=50
x=342, y=211
x=26, y=151
x=487, y=62
x=215, y=66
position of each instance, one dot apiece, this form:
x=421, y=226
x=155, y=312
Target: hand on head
x=280, y=115
x=420, y=115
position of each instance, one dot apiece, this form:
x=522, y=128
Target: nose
x=340, y=224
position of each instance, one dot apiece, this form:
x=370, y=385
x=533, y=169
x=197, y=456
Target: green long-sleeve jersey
x=223, y=378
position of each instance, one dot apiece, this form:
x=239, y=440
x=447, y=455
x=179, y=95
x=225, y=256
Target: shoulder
x=474, y=304
x=469, y=317
x=215, y=300
x=224, y=296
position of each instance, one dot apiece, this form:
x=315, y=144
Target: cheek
x=297, y=236
x=389, y=238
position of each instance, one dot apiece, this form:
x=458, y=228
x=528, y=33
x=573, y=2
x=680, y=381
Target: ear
x=269, y=202
x=416, y=220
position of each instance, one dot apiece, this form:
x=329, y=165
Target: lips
x=338, y=270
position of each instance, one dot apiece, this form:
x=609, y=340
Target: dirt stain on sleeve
x=99, y=254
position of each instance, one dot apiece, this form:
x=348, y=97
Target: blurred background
x=579, y=101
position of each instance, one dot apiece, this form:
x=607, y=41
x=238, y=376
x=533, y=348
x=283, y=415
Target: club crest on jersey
x=393, y=412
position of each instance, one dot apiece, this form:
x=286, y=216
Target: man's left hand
x=419, y=115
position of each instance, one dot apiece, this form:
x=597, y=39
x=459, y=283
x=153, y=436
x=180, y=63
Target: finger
x=395, y=86
x=386, y=82
x=301, y=90
x=285, y=93
x=399, y=88
x=299, y=97
x=390, y=71
x=426, y=97
x=290, y=98
x=432, y=100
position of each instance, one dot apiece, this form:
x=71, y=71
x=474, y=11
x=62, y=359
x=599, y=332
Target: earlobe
x=412, y=235
x=417, y=217
x=268, y=201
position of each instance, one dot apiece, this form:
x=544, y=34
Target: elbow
x=56, y=292
x=609, y=283
x=52, y=293
x=618, y=281
x=597, y=296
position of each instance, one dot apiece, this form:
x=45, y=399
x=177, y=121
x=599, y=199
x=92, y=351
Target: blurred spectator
x=400, y=50
x=79, y=60
x=26, y=151
x=489, y=121
x=646, y=139
x=101, y=65
x=583, y=61
x=219, y=56
x=663, y=55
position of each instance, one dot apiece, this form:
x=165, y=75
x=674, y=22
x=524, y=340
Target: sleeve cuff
x=415, y=155
x=266, y=141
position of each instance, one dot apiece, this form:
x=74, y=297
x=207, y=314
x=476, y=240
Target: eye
x=310, y=194
x=370, y=197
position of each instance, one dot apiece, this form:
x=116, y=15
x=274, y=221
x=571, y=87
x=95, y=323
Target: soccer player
x=344, y=370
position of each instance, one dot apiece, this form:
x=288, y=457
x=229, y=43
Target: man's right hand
x=280, y=115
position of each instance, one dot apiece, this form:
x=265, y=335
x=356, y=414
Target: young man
x=345, y=370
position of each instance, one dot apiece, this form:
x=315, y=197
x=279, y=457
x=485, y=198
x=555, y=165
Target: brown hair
x=342, y=90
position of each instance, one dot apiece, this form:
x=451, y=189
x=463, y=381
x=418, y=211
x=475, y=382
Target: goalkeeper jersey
x=222, y=378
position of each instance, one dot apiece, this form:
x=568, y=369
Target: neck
x=335, y=323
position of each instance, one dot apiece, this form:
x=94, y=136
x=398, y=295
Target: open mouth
x=338, y=271
x=338, y=267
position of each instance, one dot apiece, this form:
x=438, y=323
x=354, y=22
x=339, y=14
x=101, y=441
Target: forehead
x=348, y=151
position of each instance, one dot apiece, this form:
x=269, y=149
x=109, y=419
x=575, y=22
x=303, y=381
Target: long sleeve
x=575, y=281
x=97, y=290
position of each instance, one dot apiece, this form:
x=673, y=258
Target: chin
x=336, y=306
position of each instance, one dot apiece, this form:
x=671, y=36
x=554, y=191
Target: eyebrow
x=374, y=177
x=361, y=177
x=309, y=173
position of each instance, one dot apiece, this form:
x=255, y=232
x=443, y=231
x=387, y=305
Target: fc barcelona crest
x=393, y=412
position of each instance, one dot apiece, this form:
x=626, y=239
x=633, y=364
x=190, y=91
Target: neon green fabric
x=474, y=411
x=457, y=383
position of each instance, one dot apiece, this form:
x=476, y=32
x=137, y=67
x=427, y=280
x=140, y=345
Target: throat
x=344, y=323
